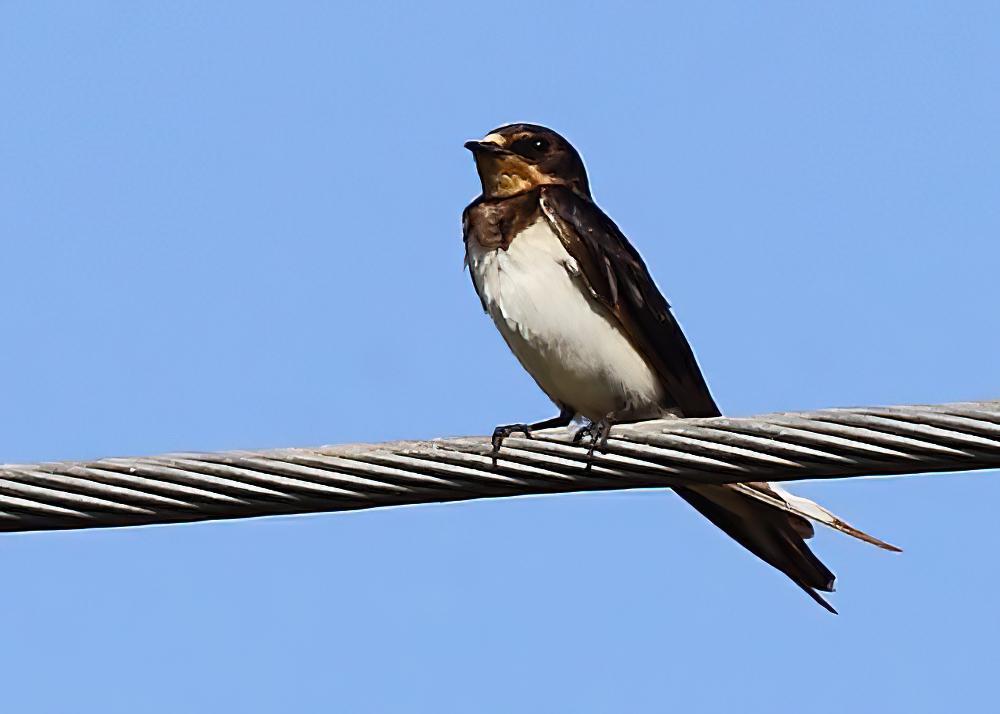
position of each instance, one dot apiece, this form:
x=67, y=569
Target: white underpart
x=564, y=338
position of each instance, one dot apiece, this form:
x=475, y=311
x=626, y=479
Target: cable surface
x=183, y=487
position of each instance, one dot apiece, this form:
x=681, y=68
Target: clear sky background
x=236, y=225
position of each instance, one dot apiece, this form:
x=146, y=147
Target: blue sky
x=237, y=226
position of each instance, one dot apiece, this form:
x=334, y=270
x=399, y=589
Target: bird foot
x=502, y=432
x=598, y=431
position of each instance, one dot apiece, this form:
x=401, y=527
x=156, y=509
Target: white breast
x=567, y=341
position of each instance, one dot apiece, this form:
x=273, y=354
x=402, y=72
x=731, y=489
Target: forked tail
x=773, y=525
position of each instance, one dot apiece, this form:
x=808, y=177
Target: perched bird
x=578, y=308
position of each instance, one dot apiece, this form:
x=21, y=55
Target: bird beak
x=485, y=147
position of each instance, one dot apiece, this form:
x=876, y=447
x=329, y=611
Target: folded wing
x=765, y=519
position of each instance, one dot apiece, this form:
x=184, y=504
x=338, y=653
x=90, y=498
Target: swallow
x=575, y=303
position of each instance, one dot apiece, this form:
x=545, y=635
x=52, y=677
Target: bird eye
x=530, y=147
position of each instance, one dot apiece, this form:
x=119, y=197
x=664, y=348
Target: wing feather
x=616, y=274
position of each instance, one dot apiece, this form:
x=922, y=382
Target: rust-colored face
x=517, y=158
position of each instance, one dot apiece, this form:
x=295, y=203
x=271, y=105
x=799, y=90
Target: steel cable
x=831, y=443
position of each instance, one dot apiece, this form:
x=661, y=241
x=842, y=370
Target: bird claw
x=598, y=431
x=502, y=432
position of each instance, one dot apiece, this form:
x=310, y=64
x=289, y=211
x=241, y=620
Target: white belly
x=566, y=340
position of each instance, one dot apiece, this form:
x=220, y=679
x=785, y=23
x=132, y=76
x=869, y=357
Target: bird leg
x=502, y=432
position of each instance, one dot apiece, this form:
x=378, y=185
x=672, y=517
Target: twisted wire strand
x=182, y=487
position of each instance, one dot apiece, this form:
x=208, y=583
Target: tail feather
x=774, y=535
x=814, y=511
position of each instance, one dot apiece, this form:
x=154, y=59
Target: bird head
x=517, y=158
